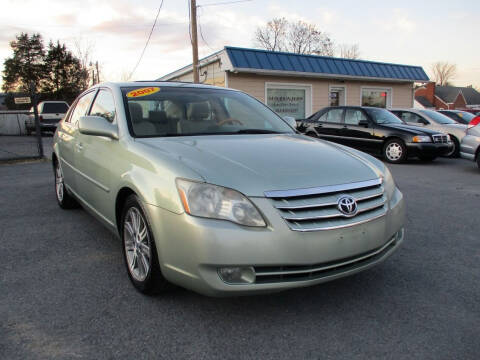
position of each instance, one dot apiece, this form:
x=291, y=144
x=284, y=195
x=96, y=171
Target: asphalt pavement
x=65, y=294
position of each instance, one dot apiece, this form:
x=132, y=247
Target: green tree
x=64, y=76
x=26, y=65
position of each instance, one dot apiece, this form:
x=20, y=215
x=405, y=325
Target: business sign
x=22, y=100
x=287, y=102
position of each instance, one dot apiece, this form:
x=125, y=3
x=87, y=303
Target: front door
x=357, y=131
x=94, y=161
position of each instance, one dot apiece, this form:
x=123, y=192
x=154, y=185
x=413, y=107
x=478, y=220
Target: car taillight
x=475, y=121
x=40, y=118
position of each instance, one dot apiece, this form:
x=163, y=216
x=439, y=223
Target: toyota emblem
x=347, y=205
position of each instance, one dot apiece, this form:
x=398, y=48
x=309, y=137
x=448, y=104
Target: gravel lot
x=64, y=292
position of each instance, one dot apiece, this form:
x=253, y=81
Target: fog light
x=237, y=274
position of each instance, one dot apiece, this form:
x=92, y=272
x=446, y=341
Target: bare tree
x=305, y=38
x=347, y=51
x=300, y=37
x=443, y=72
x=273, y=35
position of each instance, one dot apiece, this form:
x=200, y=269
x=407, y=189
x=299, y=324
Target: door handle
x=79, y=147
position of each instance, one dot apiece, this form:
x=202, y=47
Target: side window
x=334, y=116
x=411, y=117
x=82, y=107
x=104, y=105
x=353, y=116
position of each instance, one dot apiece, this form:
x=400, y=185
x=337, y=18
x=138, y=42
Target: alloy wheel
x=137, y=244
x=59, y=184
x=394, y=151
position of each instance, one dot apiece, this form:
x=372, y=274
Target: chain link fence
x=20, y=131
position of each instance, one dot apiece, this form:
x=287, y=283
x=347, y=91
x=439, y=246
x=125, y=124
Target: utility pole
x=193, y=26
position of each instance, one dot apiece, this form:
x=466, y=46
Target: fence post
x=38, y=131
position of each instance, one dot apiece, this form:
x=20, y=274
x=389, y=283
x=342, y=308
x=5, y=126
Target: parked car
x=377, y=131
x=462, y=117
x=211, y=190
x=433, y=120
x=49, y=115
x=470, y=146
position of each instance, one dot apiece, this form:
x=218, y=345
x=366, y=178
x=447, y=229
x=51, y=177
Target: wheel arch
x=120, y=199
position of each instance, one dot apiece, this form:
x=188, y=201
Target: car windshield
x=466, y=115
x=55, y=108
x=185, y=111
x=382, y=116
x=437, y=117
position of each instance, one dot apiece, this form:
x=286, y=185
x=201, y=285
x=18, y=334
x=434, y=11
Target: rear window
x=55, y=108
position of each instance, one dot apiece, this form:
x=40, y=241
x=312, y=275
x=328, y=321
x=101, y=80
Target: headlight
x=388, y=183
x=449, y=139
x=216, y=202
x=418, y=139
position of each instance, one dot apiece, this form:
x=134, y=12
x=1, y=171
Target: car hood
x=456, y=126
x=253, y=164
x=411, y=129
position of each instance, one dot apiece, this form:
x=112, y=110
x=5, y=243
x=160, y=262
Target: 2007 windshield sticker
x=142, y=92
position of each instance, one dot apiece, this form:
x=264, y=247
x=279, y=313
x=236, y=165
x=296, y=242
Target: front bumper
x=191, y=249
x=469, y=147
x=429, y=149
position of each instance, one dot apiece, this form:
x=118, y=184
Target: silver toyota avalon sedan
x=210, y=189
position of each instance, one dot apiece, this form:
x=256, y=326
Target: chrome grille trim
x=309, y=206
x=440, y=138
x=330, y=216
x=322, y=189
x=306, y=210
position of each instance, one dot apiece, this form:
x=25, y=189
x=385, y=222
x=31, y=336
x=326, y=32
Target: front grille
x=316, y=208
x=274, y=274
x=440, y=138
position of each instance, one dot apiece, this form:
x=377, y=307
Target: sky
x=404, y=32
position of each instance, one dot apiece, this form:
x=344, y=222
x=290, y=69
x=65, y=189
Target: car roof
x=146, y=83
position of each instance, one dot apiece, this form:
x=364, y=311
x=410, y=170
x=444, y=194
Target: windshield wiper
x=256, y=131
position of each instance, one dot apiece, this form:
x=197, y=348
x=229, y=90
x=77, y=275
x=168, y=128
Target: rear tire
x=64, y=199
x=395, y=151
x=139, y=250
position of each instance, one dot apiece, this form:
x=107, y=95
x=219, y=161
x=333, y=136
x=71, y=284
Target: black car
x=377, y=131
x=462, y=117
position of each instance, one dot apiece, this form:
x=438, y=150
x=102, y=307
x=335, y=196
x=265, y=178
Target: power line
x=224, y=3
x=148, y=40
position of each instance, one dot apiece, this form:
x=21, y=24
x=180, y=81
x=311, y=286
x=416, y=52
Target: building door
x=337, y=96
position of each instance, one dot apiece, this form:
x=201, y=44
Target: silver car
x=434, y=120
x=470, y=146
x=210, y=189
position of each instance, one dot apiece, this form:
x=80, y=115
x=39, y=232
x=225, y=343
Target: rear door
x=329, y=124
x=358, y=131
x=67, y=133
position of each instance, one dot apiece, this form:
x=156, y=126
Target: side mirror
x=290, y=121
x=363, y=123
x=97, y=126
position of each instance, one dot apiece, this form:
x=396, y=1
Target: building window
x=289, y=100
x=376, y=97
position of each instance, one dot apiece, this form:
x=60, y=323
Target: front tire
x=395, y=151
x=139, y=249
x=64, y=199
x=455, y=152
